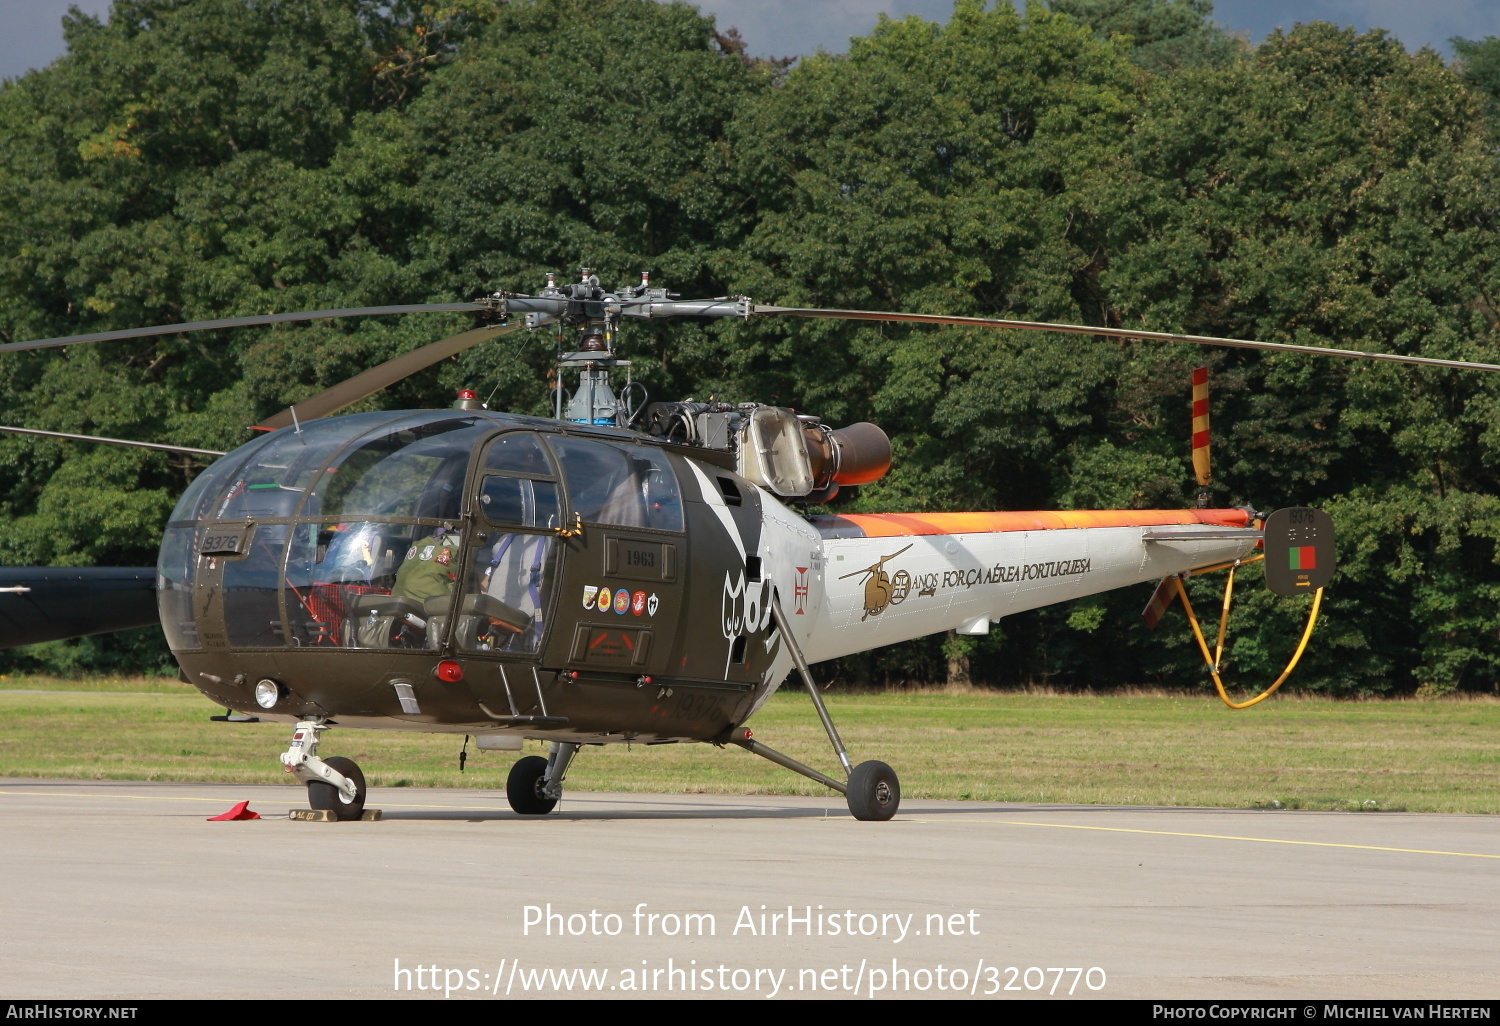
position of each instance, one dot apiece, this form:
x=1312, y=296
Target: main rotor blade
x=373, y=380
x=48, y=603
x=1080, y=329
x=237, y=322
x=112, y=441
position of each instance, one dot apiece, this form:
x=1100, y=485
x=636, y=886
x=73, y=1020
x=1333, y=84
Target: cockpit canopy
x=351, y=531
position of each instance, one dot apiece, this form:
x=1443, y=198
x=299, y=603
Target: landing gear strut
x=534, y=785
x=873, y=791
x=334, y=785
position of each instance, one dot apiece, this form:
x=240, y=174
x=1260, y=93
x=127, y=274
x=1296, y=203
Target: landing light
x=267, y=693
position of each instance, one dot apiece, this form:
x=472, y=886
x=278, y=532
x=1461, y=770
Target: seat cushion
x=385, y=605
x=506, y=616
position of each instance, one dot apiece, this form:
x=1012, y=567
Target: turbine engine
x=790, y=454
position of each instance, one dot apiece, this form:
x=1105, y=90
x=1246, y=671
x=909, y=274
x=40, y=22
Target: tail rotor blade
x=1200, y=427
x=369, y=382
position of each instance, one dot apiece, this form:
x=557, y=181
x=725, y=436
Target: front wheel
x=874, y=792
x=328, y=798
x=523, y=787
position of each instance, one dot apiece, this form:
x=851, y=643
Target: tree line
x=1111, y=162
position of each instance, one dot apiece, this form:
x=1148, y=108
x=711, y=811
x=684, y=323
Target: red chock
x=240, y=811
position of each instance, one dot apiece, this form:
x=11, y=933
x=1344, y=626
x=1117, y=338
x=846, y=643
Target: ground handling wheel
x=523, y=787
x=874, y=792
x=328, y=798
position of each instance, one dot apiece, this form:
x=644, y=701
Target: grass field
x=1418, y=756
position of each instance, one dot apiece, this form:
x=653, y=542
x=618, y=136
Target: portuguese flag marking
x=1303, y=557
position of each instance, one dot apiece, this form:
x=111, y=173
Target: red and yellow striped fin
x=1161, y=601
x=1200, y=426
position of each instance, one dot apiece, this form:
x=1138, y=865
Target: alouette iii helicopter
x=622, y=572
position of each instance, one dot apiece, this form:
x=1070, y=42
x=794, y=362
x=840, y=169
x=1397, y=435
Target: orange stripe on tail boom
x=902, y=525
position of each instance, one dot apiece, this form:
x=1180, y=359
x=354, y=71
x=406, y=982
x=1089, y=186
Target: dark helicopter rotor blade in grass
x=236, y=322
x=373, y=380
x=1128, y=333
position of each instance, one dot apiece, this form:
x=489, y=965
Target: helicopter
x=622, y=571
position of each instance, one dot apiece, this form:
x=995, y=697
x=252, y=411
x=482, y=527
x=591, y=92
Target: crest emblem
x=638, y=603
x=589, y=591
x=651, y=605
x=880, y=589
x=622, y=601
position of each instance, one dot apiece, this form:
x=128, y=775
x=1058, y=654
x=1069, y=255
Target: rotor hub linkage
x=585, y=302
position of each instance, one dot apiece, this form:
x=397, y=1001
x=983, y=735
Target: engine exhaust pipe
x=853, y=455
x=864, y=454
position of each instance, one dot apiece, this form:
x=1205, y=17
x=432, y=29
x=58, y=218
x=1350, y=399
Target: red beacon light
x=448, y=670
x=468, y=399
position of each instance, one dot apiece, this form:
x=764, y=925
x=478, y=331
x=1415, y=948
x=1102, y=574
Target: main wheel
x=523, y=787
x=325, y=796
x=874, y=792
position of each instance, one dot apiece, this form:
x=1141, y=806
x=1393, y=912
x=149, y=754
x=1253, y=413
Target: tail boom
x=895, y=577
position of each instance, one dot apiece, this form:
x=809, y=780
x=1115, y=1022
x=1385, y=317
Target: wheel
x=874, y=792
x=331, y=799
x=523, y=787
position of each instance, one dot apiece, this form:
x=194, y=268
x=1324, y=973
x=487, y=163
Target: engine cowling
x=791, y=455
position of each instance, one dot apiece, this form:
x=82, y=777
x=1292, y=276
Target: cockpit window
x=517, y=488
x=349, y=533
x=519, y=502
x=518, y=452
x=622, y=485
x=205, y=487
x=404, y=469
x=271, y=482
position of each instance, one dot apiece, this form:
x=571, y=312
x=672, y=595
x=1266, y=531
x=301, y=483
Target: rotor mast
x=597, y=323
x=595, y=314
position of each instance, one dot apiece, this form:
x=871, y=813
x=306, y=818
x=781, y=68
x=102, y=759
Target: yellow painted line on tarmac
x=909, y=819
x=1211, y=837
x=220, y=801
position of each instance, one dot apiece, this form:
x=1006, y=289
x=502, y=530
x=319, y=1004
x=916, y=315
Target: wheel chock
x=325, y=816
x=311, y=815
x=240, y=811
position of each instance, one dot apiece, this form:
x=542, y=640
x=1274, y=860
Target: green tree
x=205, y=158
x=565, y=133
x=1478, y=64
x=933, y=169
x=1335, y=191
x=171, y=166
x=1164, y=35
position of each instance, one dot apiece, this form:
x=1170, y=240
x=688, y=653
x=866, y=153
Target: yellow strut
x=1214, y=660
